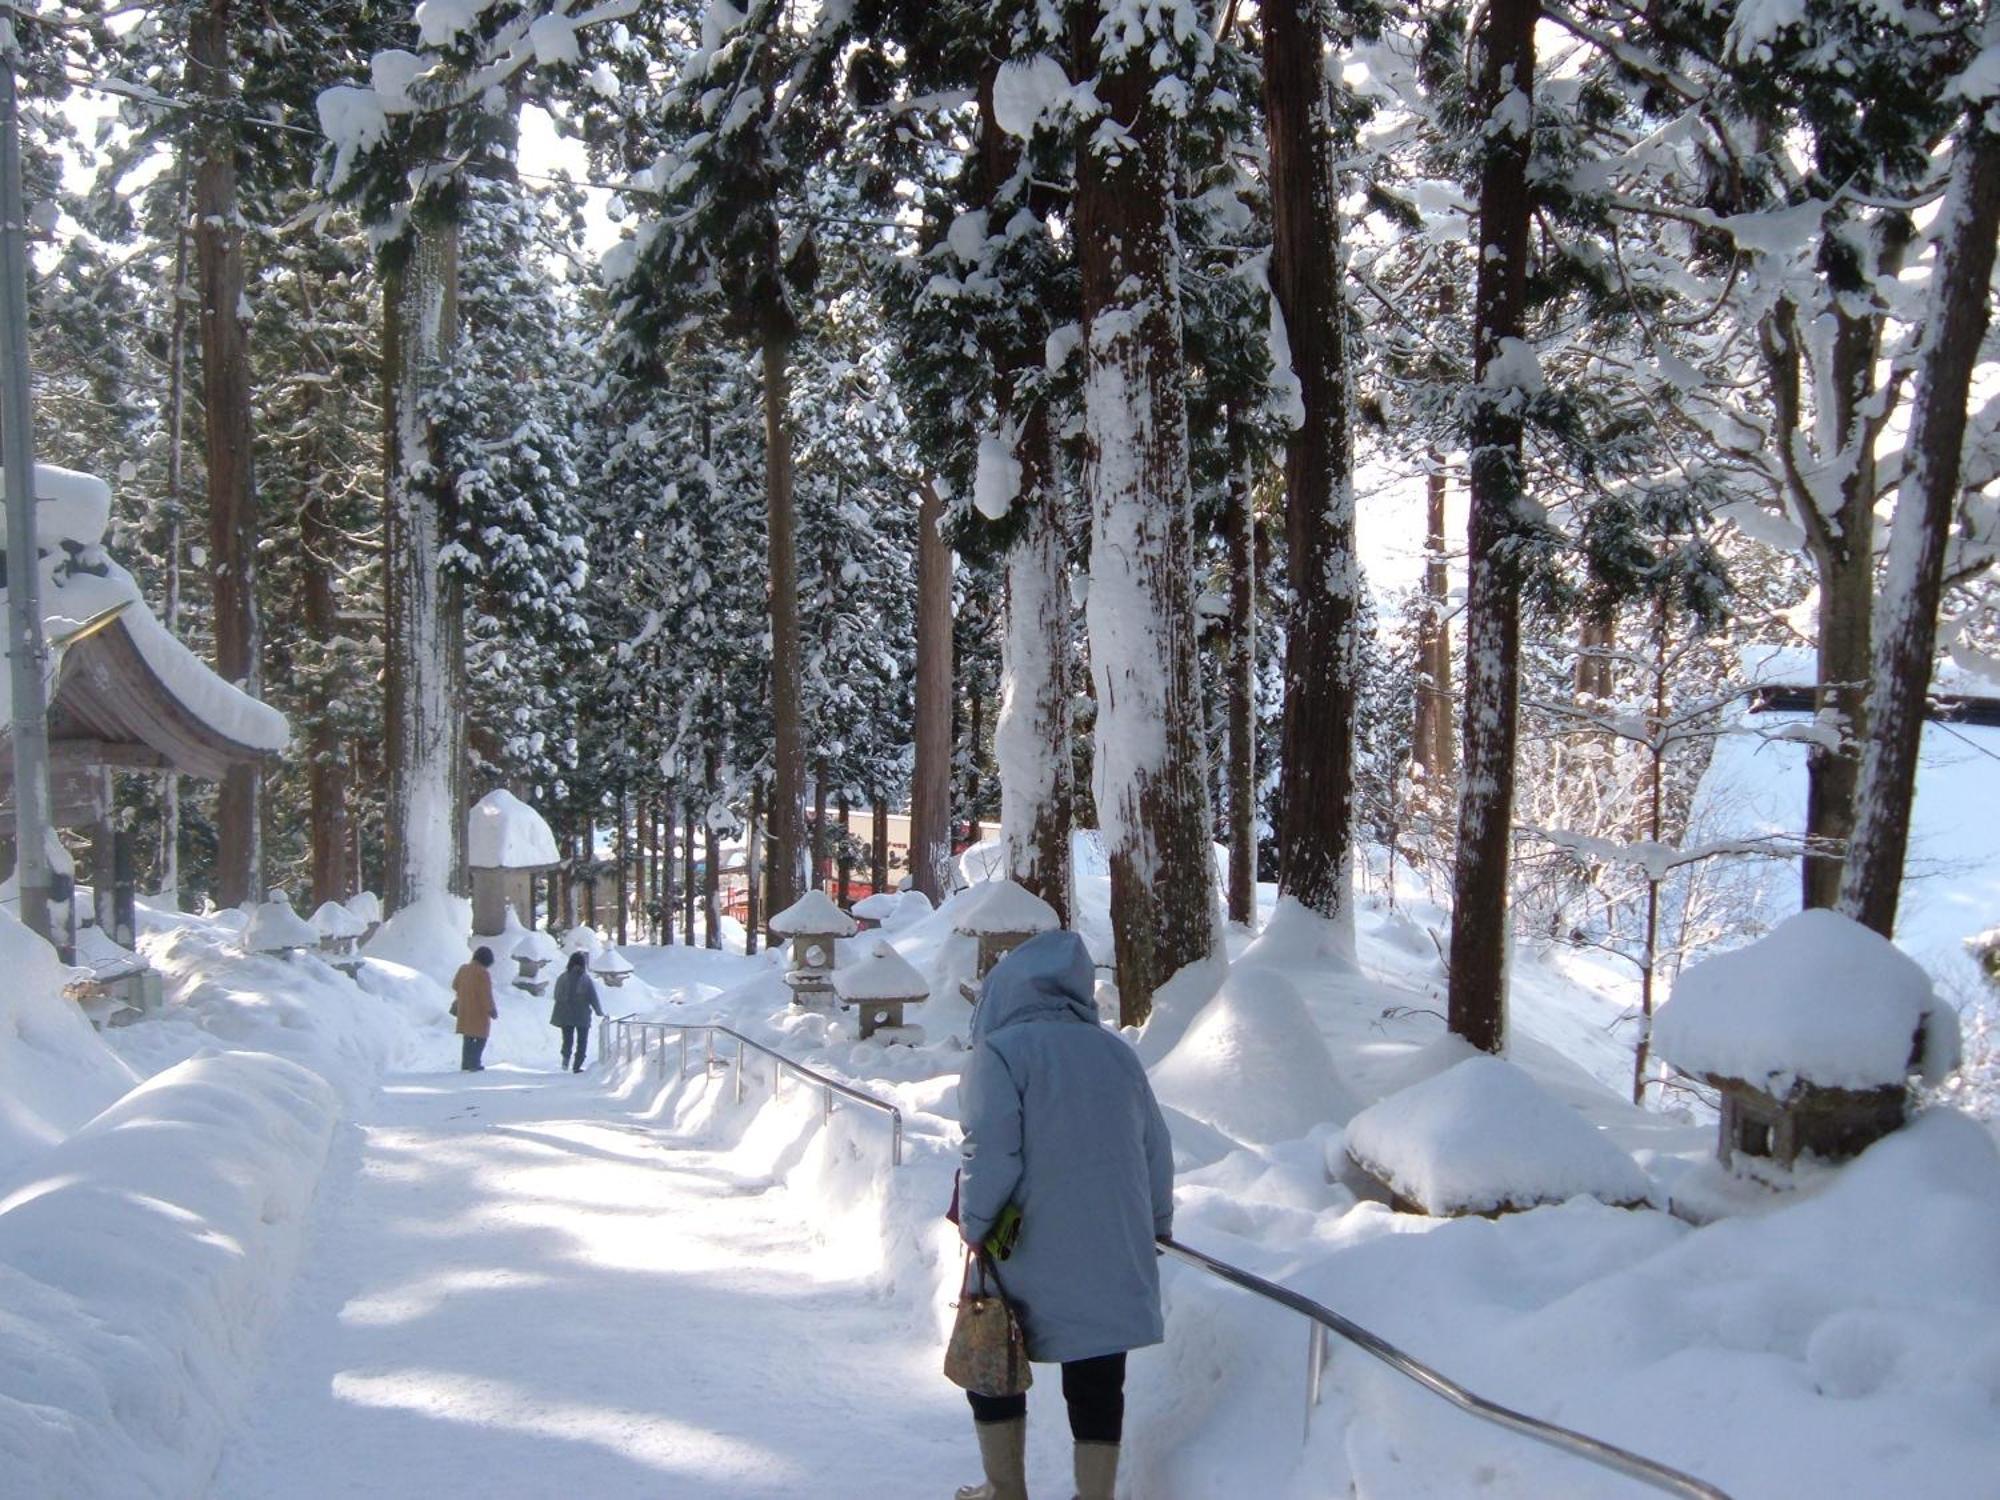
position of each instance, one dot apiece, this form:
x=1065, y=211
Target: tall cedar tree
x=1503, y=102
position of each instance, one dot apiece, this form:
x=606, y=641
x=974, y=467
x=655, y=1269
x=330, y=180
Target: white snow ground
x=520, y=1289
x=525, y=1283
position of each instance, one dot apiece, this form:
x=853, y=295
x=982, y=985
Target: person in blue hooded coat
x=1062, y=1128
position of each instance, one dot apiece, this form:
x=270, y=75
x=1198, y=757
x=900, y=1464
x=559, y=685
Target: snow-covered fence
x=1324, y=1320
x=637, y=1038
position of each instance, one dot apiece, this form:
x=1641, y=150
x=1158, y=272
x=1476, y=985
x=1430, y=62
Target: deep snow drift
x=1844, y=1342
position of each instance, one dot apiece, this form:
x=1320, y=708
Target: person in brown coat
x=472, y=1003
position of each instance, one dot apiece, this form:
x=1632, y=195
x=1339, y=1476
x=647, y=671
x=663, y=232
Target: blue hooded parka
x=1060, y=1121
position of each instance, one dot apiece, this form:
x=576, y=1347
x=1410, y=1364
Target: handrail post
x=827, y=1117
x=708, y=1059
x=1315, y=1367
x=740, y=1049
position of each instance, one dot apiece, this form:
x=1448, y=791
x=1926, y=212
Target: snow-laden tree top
x=814, y=912
x=1820, y=1000
x=504, y=833
x=1006, y=906
x=1483, y=1136
x=883, y=975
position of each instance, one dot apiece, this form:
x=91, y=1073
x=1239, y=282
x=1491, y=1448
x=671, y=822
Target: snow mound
x=880, y=906
x=428, y=935
x=1005, y=906
x=1821, y=1000
x=1482, y=1137
x=911, y=907
x=366, y=905
x=504, y=833
x=813, y=912
x=582, y=939
x=333, y=920
x=274, y=926
x=537, y=944
x=611, y=961
x=1253, y=1065
x=140, y=1268
x=55, y=1071
x=883, y=975
x=1296, y=935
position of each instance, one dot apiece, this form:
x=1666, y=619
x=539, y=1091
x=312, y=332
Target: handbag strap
x=977, y=1260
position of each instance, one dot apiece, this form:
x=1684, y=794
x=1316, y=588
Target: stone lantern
x=611, y=966
x=1811, y=1035
x=879, y=987
x=812, y=924
x=534, y=952
x=507, y=843
x=339, y=931
x=366, y=906
x=1001, y=916
x=873, y=911
x=275, y=928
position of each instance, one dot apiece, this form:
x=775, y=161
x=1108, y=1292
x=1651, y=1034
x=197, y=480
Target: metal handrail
x=633, y=1028
x=1325, y=1319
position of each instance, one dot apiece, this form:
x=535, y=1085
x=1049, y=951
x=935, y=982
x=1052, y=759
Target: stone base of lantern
x=1812, y=1121
x=532, y=986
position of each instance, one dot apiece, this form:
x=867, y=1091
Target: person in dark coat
x=1067, y=1156
x=576, y=1000
x=472, y=1003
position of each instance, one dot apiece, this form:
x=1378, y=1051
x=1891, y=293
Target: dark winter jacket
x=576, y=998
x=1060, y=1121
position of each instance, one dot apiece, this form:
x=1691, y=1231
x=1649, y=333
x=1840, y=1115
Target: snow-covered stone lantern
x=367, y=907
x=872, y=911
x=878, y=988
x=532, y=953
x=339, y=930
x=1001, y=917
x=1482, y=1137
x=1812, y=1035
x=812, y=924
x=583, y=939
x=275, y=928
x=507, y=843
x=611, y=966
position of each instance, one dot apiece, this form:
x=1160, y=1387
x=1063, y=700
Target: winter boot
x=1096, y=1470
x=1003, y=1453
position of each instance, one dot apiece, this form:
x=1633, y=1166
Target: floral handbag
x=986, y=1354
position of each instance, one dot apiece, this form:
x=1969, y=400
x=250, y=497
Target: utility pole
x=27, y=653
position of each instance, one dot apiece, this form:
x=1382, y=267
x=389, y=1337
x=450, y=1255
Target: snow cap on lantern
x=534, y=951
x=812, y=923
x=275, y=928
x=880, y=986
x=506, y=844
x=1812, y=1033
x=1002, y=915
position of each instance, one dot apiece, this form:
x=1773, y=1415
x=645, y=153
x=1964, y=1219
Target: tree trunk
x=1594, y=680
x=176, y=509
x=753, y=873
x=1152, y=800
x=821, y=848
x=787, y=874
x=930, y=782
x=225, y=399
x=1927, y=501
x=1478, y=959
x=1242, y=673
x=711, y=885
x=1316, y=771
x=424, y=823
x=1433, y=751
x=878, y=845
x=1031, y=737
x=621, y=854
x=327, y=787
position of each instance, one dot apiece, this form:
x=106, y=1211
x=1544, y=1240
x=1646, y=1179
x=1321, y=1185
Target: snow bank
x=139, y=1268
x=1820, y=1000
x=1482, y=1137
x=504, y=833
x=1253, y=1065
x=55, y=1071
x=429, y=936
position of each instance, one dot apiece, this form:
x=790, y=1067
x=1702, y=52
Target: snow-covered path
x=516, y=1289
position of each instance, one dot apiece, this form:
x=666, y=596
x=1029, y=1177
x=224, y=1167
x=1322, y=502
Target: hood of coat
x=1048, y=978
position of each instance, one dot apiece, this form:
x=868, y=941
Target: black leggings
x=1094, y=1389
x=577, y=1037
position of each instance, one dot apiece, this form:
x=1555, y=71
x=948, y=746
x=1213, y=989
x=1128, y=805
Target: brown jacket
x=472, y=1003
